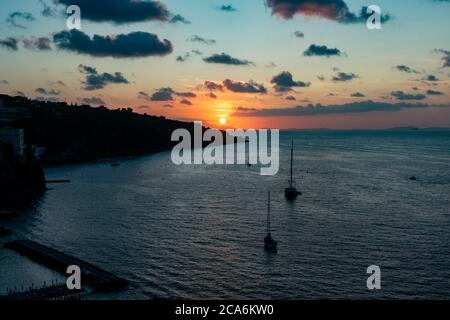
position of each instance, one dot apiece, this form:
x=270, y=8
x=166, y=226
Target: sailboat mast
x=268, y=216
x=292, y=159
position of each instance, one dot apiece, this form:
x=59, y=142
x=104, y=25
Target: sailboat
x=269, y=243
x=291, y=193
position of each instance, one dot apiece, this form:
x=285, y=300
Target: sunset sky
x=256, y=63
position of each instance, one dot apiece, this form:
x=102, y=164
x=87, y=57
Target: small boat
x=270, y=245
x=291, y=192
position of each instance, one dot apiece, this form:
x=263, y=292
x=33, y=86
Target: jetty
x=91, y=276
x=53, y=292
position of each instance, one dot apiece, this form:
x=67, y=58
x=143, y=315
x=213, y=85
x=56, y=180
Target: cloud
x=196, y=38
x=188, y=55
x=244, y=87
x=445, y=58
x=39, y=44
x=431, y=78
x=186, y=102
x=358, y=95
x=321, y=51
x=224, y=58
x=318, y=109
x=5, y=82
x=14, y=19
x=212, y=86
x=212, y=95
x=226, y=8
x=48, y=11
x=403, y=68
x=50, y=92
x=165, y=94
x=121, y=11
x=298, y=34
x=343, y=77
x=179, y=19
x=47, y=99
x=96, y=101
x=96, y=81
x=183, y=58
x=284, y=82
x=434, y=93
x=19, y=93
x=336, y=10
x=132, y=45
x=9, y=43
x=291, y=98
x=400, y=95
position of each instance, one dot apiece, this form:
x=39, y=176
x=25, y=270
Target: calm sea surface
x=197, y=231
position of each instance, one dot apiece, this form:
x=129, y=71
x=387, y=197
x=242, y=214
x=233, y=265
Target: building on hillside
x=15, y=137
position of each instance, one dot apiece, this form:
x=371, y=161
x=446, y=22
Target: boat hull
x=291, y=193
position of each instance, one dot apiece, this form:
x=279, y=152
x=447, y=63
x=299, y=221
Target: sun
x=223, y=121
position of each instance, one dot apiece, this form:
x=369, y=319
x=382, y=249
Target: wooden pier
x=91, y=275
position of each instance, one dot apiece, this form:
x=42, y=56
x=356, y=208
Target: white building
x=15, y=138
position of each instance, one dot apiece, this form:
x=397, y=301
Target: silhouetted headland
x=71, y=133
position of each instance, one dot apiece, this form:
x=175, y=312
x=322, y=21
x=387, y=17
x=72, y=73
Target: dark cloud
x=400, y=95
x=434, y=93
x=227, y=8
x=186, y=94
x=120, y=11
x=4, y=82
x=212, y=95
x=343, y=76
x=298, y=34
x=15, y=19
x=431, y=78
x=313, y=110
x=179, y=19
x=51, y=92
x=96, y=81
x=321, y=78
x=39, y=44
x=184, y=57
x=244, y=87
x=284, y=82
x=358, y=95
x=9, y=43
x=336, y=10
x=291, y=98
x=95, y=101
x=403, y=68
x=445, y=58
x=165, y=94
x=212, y=86
x=132, y=45
x=186, y=102
x=196, y=38
x=321, y=51
x=224, y=58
